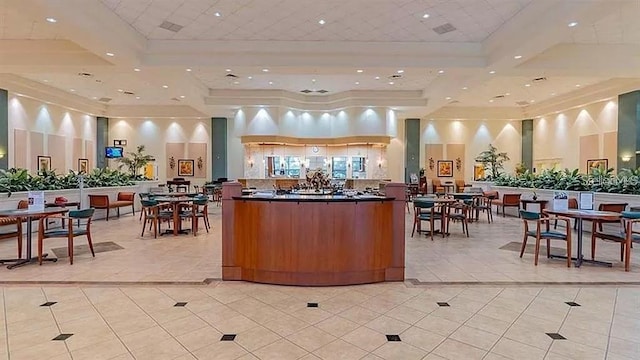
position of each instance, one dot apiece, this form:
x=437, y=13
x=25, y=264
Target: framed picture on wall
x=44, y=163
x=602, y=164
x=185, y=167
x=478, y=172
x=83, y=166
x=445, y=168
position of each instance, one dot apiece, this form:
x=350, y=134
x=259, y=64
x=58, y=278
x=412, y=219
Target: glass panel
x=292, y=166
x=339, y=167
x=317, y=163
x=272, y=166
x=358, y=166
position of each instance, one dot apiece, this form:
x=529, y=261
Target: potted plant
x=493, y=160
x=135, y=161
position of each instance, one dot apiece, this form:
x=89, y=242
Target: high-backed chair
x=70, y=232
x=539, y=233
x=508, y=200
x=626, y=236
x=426, y=211
x=437, y=186
x=616, y=207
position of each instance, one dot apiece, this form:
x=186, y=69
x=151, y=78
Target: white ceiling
x=379, y=37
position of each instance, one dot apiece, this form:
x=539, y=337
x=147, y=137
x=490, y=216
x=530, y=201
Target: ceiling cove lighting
x=573, y=24
x=51, y=20
x=110, y=54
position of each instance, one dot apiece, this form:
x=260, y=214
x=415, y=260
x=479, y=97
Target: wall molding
x=286, y=140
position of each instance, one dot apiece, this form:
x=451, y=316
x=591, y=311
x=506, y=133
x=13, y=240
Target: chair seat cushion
x=120, y=203
x=549, y=234
x=427, y=217
x=65, y=232
x=617, y=236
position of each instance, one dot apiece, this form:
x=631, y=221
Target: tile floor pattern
x=274, y=322
x=455, y=259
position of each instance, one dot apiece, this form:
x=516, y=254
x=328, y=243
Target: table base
x=578, y=262
x=21, y=262
x=170, y=232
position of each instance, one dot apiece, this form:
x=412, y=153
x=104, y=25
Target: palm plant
x=493, y=160
x=135, y=161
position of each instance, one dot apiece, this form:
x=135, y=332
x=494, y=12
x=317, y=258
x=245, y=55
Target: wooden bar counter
x=313, y=240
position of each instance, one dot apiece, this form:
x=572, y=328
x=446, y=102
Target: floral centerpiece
x=317, y=179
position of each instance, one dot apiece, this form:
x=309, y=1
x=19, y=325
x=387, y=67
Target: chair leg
x=569, y=250
x=90, y=244
x=431, y=224
x=70, y=248
x=555, y=224
x=524, y=245
x=627, y=257
x=155, y=228
x=466, y=226
x=535, y=261
x=133, y=210
x=415, y=220
x=40, y=241
x=621, y=251
x=548, y=248
x=118, y=212
x=144, y=226
x=107, y=214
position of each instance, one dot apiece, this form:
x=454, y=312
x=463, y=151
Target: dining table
x=175, y=202
x=443, y=201
x=29, y=215
x=580, y=215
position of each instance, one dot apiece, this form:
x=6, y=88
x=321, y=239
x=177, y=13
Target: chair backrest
x=491, y=194
x=573, y=203
x=98, y=200
x=81, y=214
x=436, y=182
x=149, y=202
x=460, y=183
x=422, y=204
x=529, y=215
x=200, y=201
x=511, y=199
x=126, y=196
x=613, y=207
x=23, y=204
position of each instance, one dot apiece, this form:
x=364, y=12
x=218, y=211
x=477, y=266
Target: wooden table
x=542, y=203
x=580, y=215
x=443, y=210
x=29, y=215
x=175, y=202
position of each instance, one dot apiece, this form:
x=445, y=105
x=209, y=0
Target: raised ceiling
x=186, y=50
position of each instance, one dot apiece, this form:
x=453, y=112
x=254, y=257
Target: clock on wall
x=315, y=149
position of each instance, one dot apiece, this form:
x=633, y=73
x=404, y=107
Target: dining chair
x=426, y=211
x=626, y=236
x=482, y=203
x=540, y=233
x=200, y=210
x=70, y=232
x=617, y=207
x=154, y=214
x=458, y=211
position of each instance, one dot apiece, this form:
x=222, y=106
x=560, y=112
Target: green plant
x=135, y=161
x=14, y=180
x=493, y=161
x=520, y=169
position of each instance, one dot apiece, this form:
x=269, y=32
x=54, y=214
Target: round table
x=29, y=216
x=443, y=210
x=580, y=215
x=542, y=203
x=175, y=202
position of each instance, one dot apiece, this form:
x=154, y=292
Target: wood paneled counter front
x=313, y=240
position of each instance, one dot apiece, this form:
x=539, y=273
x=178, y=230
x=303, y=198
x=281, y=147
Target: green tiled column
x=629, y=129
x=102, y=141
x=218, y=148
x=412, y=148
x=4, y=129
x=527, y=143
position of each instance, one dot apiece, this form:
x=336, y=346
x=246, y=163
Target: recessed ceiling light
x=45, y=80
x=236, y=82
x=322, y=22
x=165, y=86
x=313, y=80
x=507, y=94
x=441, y=72
x=110, y=54
x=217, y=14
x=360, y=70
x=188, y=69
x=52, y=20
x=425, y=16
x=72, y=90
x=377, y=78
x=95, y=98
x=577, y=85
x=120, y=90
x=573, y=24
x=357, y=82
x=492, y=72
x=136, y=69
x=250, y=77
x=448, y=98
x=532, y=101
x=182, y=96
x=265, y=70
x=553, y=94
x=137, y=97
x=270, y=82
x=465, y=88
x=527, y=85
x=400, y=71
x=491, y=100
x=391, y=82
x=228, y=70
x=517, y=57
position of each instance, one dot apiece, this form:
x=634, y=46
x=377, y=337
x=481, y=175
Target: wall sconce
x=1, y=155
x=172, y=163
x=432, y=163
x=200, y=163
x=250, y=162
x=458, y=164
x=625, y=158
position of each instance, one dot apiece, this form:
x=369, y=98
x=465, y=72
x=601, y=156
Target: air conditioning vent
x=540, y=79
x=499, y=97
x=85, y=74
x=522, y=103
x=105, y=99
x=322, y=91
x=232, y=76
x=445, y=28
x=175, y=99
x=306, y=91
x=395, y=76
x=168, y=25
x=128, y=93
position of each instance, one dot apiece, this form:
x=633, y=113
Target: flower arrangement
x=317, y=179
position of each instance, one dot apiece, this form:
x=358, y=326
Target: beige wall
x=569, y=137
x=467, y=138
x=38, y=128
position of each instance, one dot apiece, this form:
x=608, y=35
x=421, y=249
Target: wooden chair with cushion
x=123, y=199
x=460, y=185
x=437, y=186
x=200, y=210
x=508, y=200
x=70, y=232
x=426, y=211
x=483, y=204
x=626, y=236
x=618, y=207
x=154, y=214
x=539, y=233
x=17, y=233
x=459, y=211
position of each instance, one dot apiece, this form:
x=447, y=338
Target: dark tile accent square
x=312, y=305
x=49, y=303
x=228, y=337
x=556, y=336
x=443, y=304
x=180, y=304
x=571, y=303
x=393, y=338
x=62, y=337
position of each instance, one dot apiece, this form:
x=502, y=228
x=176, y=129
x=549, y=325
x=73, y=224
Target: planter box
x=11, y=202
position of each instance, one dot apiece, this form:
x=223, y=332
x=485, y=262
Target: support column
x=629, y=129
x=4, y=129
x=102, y=141
x=412, y=148
x=218, y=148
x=527, y=144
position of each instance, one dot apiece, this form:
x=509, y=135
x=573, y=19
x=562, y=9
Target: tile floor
x=464, y=298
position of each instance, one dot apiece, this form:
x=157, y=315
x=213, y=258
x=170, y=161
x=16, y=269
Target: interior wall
x=37, y=128
x=465, y=139
x=570, y=137
x=189, y=135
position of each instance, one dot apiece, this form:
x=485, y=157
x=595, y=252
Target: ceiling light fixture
x=120, y=90
x=441, y=72
x=553, y=94
x=250, y=77
x=491, y=100
x=517, y=57
x=228, y=70
x=110, y=54
x=577, y=85
x=400, y=71
x=573, y=24
x=182, y=96
x=377, y=77
x=492, y=72
x=165, y=86
x=236, y=82
x=357, y=82
x=137, y=97
x=391, y=82
x=217, y=14
x=72, y=90
x=45, y=80
x=188, y=69
x=136, y=69
x=265, y=70
x=313, y=80
x=507, y=94
x=51, y=20
x=465, y=88
x=322, y=22
x=527, y=85
x=532, y=101
x=270, y=82
x=95, y=98
x=360, y=71
x=425, y=16
x=448, y=98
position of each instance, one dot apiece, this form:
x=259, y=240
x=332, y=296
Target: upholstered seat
x=548, y=234
x=70, y=232
x=123, y=199
x=626, y=236
x=544, y=233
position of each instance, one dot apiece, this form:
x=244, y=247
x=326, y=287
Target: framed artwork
x=445, y=168
x=478, y=172
x=83, y=166
x=602, y=164
x=185, y=167
x=44, y=163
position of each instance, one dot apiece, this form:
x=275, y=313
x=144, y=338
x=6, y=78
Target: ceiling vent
x=128, y=93
x=395, y=76
x=445, y=28
x=322, y=91
x=168, y=25
x=85, y=75
x=175, y=99
x=522, y=103
x=540, y=79
x=306, y=91
x=499, y=97
x=231, y=76
x=104, y=99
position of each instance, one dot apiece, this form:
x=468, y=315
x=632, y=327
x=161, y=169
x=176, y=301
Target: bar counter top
x=312, y=198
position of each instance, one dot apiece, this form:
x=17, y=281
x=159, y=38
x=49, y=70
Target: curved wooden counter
x=312, y=240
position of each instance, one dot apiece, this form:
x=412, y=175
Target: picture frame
x=44, y=163
x=186, y=167
x=445, y=168
x=602, y=164
x=478, y=172
x=83, y=166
